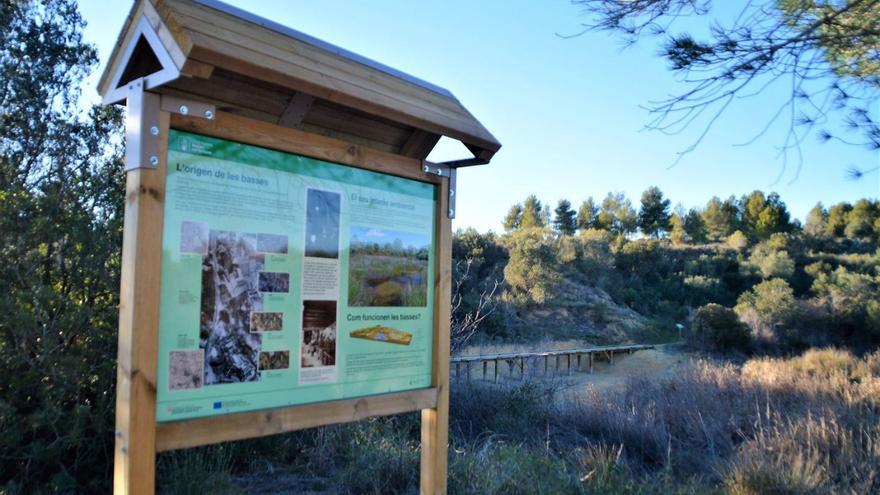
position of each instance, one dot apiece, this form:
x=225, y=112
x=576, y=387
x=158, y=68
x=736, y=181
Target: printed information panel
x=289, y=280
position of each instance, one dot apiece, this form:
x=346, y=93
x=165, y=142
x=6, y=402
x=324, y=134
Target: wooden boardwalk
x=522, y=360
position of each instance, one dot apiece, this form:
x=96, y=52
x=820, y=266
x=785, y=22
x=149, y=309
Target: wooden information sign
x=287, y=247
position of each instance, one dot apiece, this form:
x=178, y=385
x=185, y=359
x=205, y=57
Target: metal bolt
x=184, y=109
x=123, y=450
x=154, y=130
x=452, y=192
x=118, y=434
x=426, y=169
x=450, y=213
x=439, y=171
x=209, y=114
x=154, y=160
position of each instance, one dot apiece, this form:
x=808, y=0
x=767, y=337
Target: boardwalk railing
x=521, y=359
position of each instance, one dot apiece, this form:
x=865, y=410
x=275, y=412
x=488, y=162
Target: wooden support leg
x=611, y=354
x=522, y=368
x=591, y=363
x=467, y=370
x=568, y=363
x=485, y=366
x=579, y=362
x=545, y=365
x=435, y=421
x=457, y=371
x=134, y=458
x=496, y=371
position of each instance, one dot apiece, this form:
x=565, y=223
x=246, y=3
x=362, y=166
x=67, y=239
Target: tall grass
x=809, y=424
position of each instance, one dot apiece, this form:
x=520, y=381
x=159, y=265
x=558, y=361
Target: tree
x=532, y=272
x=694, y=227
x=817, y=221
x=586, y=216
x=860, y=220
x=677, y=233
x=564, y=221
x=823, y=53
x=837, y=219
x=60, y=236
x=718, y=219
x=617, y=214
x=513, y=219
x=653, y=218
x=532, y=214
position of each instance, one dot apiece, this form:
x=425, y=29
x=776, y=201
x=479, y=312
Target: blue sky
x=567, y=111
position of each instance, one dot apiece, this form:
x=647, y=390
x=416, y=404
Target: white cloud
x=375, y=233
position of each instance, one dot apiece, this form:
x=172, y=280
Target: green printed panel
x=289, y=280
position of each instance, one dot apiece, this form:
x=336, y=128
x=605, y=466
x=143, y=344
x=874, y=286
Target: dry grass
x=809, y=424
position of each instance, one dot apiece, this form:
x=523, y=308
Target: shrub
x=719, y=328
x=738, y=241
x=532, y=271
x=768, y=309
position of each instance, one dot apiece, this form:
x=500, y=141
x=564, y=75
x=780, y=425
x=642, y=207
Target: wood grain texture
x=203, y=431
x=135, y=452
x=435, y=421
x=268, y=135
x=226, y=41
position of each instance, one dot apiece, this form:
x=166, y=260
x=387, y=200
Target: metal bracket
x=444, y=170
x=142, y=122
x=141, y=127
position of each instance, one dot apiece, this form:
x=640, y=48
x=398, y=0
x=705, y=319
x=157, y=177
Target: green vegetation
x=793, y=287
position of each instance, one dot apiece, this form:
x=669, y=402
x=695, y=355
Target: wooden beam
x=435, y=421
x=135, y=448
x=295, y=113
x=419, y=144
x=225, y=125
x=203, y=431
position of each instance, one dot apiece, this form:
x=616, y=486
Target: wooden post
x=496, y=371
x=591, y=363
x=485, y=365
x=134, y=460
x=579, y=362
x=611, y=357
x=435, y=422
x=545, y=364
x=568, y=363
x=467, y=370
x=522, y=368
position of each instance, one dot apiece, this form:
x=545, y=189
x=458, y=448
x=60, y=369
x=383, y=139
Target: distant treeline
x=756, y=216
x=743, y=264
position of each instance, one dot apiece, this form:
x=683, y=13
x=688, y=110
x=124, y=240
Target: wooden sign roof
x=241, y=63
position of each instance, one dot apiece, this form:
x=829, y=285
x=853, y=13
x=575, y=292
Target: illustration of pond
x=388, y=268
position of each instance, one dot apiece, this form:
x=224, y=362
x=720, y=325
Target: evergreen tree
x=513, y=219
x=751, y=207
x=617, y=214
x=653, y=217
x=860, y=220
x=717, y=219
x=774, y=218
x=586, y=215
x=693, y=226
x=676, y=229
x=817, y=221
x=532, y=215
x=564, y=221
x=60, y=231
x=837, y=219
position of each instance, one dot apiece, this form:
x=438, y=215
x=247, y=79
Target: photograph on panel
x=318, y=347
x=388, y=268
x=322, y=224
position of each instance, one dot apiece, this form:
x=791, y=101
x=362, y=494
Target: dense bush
x=769, y=309
x=719, y=328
